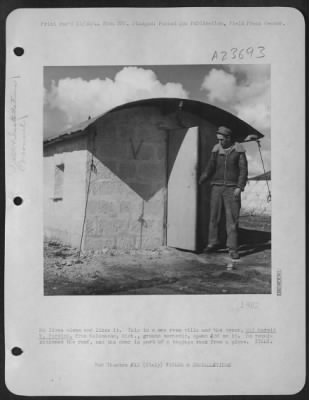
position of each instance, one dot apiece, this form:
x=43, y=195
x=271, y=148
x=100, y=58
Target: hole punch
x=18, y=51
x=17, y=201
x=16, y=351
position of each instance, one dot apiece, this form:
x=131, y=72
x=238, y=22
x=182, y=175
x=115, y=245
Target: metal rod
x=88, y=189
x=165, y=208
x=86, y=205
x=142, y=221
x=259, y=147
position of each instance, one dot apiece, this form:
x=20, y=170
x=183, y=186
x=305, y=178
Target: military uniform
x=227, y=170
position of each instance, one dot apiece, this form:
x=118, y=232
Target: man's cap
x=223, y=130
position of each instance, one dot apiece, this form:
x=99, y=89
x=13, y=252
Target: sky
x=72, y=94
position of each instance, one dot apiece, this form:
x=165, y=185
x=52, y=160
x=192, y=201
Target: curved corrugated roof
x=213, y=114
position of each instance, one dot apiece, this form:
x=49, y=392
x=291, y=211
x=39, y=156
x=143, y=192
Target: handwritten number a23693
x=261, y=52
x=239, y=54
x=224, y=55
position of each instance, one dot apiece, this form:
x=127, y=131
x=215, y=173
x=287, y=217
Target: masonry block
x=151, y=171
x=147, y=132
x=144, y=151
x=135, y=228
x=126, y=241
x=98, y=243
x=106, y=207
x=91, y=243
x=106, y=125
x=102, y=171
x=91, y=226
x=154, y=207
x=110, y=227
x=153, y=228
x=95, y=187
x=115, y=150
x=151, y=243
x=161, y=152
x=92, y=207
x=127, y=169
x=153, y=224
x=152, y=131
x=130, y=119
x=144, y=190
x=109, y=243
x=130, y=207
x=105, y=188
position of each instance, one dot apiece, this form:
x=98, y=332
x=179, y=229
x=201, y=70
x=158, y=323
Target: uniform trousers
x=222, y=198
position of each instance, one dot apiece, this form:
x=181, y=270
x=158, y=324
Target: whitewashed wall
x=254, y=198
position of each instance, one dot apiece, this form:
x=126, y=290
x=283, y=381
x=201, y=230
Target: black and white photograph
x=155, y=201
x=157, y=179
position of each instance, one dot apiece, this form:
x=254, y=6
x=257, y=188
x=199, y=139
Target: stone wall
x=124, y=154
x=64, y=206
x=126, y=202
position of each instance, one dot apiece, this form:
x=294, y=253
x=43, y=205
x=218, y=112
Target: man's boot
x=211, y=248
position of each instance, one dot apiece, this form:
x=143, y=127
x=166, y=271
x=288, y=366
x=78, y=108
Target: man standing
x=228, y=171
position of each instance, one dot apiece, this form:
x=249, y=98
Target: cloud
x=243, y=90
x=251, y=72
x=255, y=166
x=256, y=114
x=220, y=86
x=78, y=98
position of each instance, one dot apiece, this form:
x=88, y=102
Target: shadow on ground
x=253, y=241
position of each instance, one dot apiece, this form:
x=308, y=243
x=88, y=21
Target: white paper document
x=155, y=201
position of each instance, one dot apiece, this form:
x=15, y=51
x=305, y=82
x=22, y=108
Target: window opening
x=59, y=181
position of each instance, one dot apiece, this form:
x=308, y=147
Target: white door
x=182, y=189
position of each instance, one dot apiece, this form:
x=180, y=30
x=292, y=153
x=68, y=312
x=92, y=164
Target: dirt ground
x=163, y=271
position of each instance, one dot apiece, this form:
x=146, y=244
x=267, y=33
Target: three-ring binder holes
x=18, y=51
x=16, y=351
x=17, y=201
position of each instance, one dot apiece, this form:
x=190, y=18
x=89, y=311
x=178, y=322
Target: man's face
x=224, y=140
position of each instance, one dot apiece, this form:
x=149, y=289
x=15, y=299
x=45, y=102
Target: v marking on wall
x=136, y=150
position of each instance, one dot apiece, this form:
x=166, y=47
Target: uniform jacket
x=228, y=168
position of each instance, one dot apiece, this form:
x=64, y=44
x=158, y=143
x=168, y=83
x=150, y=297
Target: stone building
x=128, y=178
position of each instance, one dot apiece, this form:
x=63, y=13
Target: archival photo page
x=155, y=201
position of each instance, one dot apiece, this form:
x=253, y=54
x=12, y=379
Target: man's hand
x=202, y=179
x=237, y=192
